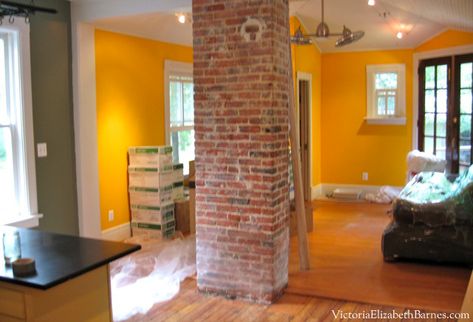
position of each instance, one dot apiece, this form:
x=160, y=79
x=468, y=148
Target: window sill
x=386, y=120
x=29, y=221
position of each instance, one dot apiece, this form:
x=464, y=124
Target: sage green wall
x=51, y=70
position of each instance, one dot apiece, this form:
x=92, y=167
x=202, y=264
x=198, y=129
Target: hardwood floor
x=347, y=273
x=189, y=305
x=347, y=264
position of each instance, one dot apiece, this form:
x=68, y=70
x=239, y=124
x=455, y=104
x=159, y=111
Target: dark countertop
x=60, y=257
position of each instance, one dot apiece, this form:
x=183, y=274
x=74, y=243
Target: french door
x=446, y=109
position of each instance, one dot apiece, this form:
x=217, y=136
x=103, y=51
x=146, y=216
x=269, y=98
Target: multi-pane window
x=17, y=182
x=180, y=111
x=8, y=194
x=385, y=94
x=445, y=110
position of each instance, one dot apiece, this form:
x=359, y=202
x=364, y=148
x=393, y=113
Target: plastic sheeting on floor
x=151, y=275
x=385, y=194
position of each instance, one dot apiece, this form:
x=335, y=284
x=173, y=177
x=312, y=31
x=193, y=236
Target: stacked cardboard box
x=178, y=181
x=151, y=180
x=192, y=196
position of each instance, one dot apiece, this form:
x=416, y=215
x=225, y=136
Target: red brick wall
x=241, y=128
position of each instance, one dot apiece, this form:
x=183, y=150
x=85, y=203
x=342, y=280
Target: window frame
x=181, y=127
x=180, y=69
x=458, y=60
x=23, y=146
x=399, y=116
x=174, y=68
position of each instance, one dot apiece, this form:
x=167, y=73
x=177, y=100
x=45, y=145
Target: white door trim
x=85, y=128
x=452, y=51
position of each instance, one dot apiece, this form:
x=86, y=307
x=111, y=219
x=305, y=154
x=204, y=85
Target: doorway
x=446, y=109
x=304, y=100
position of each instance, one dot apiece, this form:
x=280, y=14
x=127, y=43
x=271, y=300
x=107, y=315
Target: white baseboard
x=316, y=192
x=117, y=233
x=320, y=191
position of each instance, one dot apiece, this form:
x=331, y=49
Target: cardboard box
x=192, y=170
x=192, y=206
x=150, y=177
x=178, y=190
x=182, y=216
x=153, y=156
x=192, y=196
x=153, y=230
x=178, y=171
x=161, y=214
x=150, y=196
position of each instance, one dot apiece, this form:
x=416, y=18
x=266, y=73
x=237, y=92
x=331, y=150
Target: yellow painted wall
x=308, y=59
x=449, y=38
x=349, y=145
x=130, y=109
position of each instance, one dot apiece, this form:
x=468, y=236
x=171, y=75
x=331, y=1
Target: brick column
x=241, y=135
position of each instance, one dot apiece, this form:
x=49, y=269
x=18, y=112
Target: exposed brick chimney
x=241, y=70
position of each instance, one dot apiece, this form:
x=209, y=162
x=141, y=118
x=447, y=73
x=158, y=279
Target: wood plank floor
x=190, y=305
x=347, y=264
x=347, y=273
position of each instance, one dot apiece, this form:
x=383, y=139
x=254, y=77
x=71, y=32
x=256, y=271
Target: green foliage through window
x=3, y=150
x=386, y=80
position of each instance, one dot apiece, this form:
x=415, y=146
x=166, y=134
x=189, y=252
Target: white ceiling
x=157, y=26
x=422, y=18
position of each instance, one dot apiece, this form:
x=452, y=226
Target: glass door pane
x=446, y=116
x=466, y=106
x=434, y=107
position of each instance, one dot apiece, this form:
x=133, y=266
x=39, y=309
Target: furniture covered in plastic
x=432, y=220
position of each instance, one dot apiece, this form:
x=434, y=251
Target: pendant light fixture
x=348, y=37
x=323, y=31
x=300, y=39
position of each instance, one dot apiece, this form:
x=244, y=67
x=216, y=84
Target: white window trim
x=173, y=67
x=399, y=117
x=451, y=51
x=30, y=219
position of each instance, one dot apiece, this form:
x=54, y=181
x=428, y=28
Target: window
x=445, y=115
x=386, y=98
x=179, y=94
x=17, y=170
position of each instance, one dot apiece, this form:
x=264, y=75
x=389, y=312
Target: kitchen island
x=71, y=282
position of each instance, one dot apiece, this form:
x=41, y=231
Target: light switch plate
x=42, y=149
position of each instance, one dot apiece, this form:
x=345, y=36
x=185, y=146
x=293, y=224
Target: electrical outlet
x=364, y=176
x=111, y=215
x=42, y=150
